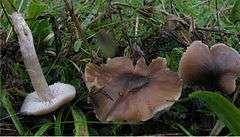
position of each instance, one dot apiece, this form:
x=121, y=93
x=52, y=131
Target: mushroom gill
x=217, y=67
x=121, y=91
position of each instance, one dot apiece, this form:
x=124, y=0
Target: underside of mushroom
x=214, y=68
x=34, y=105
x=121, y=91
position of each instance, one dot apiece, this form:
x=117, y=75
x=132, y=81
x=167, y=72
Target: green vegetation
x=111, y=28
x=224, y=109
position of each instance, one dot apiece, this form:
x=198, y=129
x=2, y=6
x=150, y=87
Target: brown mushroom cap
x=217, y=67
x=121, y=91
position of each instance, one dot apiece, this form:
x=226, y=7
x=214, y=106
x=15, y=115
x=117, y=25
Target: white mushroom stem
x=30, y=57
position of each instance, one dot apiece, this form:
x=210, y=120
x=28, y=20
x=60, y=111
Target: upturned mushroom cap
x=217, y=67
x=34, y=105
x=121, y=91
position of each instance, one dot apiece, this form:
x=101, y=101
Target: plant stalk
x=76, y=22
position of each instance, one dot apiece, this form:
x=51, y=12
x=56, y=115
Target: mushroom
x=217, y=67
x=46, y=98
x=121, y=91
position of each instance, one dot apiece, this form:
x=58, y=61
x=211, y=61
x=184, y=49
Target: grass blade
x=80, y=122
x=235, y=13
x=43, y=129
x=184, y=130
x=57, y=124
x=223, y=108
x=8, y=106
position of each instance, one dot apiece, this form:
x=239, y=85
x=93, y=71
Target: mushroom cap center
x=208, y=79
x=133, y=82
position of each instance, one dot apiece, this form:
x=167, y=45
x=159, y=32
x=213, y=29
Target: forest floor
x=110, y=28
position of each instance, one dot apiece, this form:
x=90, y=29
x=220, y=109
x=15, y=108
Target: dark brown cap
x=217, y=67
x=121, y=91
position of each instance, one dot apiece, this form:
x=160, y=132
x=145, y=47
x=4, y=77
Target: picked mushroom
x=46, y=98
x=121, y=91
x=217, y=67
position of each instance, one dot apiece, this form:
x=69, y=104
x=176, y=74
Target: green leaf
x=235, y=13
x=184, y=130
x=9, y=3
x=35, y=8
x=57, y=124
x=80, y=122
x=223, y=108
x=43, y=129
x=40, y=28
x=5, y=101
x=77, y=45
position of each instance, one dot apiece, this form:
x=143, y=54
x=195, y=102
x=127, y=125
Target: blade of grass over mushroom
x=6, y=103
x=223, y=108
x=43, y=129
x=80, y=122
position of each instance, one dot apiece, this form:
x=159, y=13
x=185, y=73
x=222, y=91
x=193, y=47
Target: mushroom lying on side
x=45, y=99
x=121, y=91
x=217, y=67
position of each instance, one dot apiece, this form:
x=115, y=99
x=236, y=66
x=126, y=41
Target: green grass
x=7, y=104
x=43, y=129
x=80, y=122
x=223, y=108
x=63, y=56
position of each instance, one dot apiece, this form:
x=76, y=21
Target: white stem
x=136, y=26
x=10, y=30
x=217, y=128
x=30, y=57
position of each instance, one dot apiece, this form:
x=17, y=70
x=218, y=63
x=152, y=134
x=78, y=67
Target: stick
x=76, y=22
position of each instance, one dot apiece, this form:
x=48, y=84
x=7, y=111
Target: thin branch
x=218, y=31
x=80, y=31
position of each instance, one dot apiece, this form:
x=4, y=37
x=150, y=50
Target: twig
x=201, y=3
x=69, y=7
x=142, y=12
x=217, y=128
x=217, y=14
x=235, y=96
x=204, y=29
x=135, y=49
x=136, y=26
x=218, y=31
